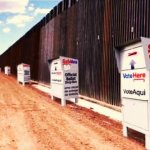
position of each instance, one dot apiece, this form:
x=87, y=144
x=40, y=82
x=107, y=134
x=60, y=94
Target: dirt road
x=29, y=120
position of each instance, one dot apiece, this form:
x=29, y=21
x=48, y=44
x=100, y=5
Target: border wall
x=87, y=30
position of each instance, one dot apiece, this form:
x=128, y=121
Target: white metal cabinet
x=7, y=70
x=64, y=78
x=130, y=110
x=23, y=73
x=133, y=61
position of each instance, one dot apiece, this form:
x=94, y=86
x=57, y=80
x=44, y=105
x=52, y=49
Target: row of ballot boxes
x=64, y=77
x=23, y=72
x=133, y=61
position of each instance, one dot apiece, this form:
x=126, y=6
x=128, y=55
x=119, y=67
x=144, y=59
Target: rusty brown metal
x=87, y=30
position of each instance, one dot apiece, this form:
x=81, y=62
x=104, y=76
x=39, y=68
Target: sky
x=19, y=16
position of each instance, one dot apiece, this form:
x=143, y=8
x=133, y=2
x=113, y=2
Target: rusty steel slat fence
x=87, y=30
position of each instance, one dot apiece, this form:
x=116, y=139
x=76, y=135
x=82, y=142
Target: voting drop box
x=7, y=70
x=64, y=78
x=133, y=61
x=23, y=73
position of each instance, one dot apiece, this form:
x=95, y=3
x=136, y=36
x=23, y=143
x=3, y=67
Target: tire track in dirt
x=29, y=112
x=38, y=123
x=7, y=137
x=16, y=122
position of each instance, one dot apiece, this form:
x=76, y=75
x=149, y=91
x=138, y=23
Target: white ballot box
x=23, y=73
x=64, y=78
x=7, y=70
x=133, y=62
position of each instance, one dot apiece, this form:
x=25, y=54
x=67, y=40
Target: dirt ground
x=29, y=120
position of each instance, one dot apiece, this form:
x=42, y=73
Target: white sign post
x=64, y=78
x=133, y=62
x=23, y=73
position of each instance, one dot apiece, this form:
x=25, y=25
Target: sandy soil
x=29, y=120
